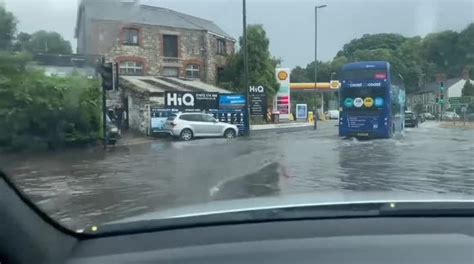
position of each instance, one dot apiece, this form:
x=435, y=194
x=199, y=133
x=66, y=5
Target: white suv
x=189, y=125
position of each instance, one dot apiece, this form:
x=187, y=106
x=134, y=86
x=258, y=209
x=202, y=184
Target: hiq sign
x=179, y=99
x=191, y=101
x=256, y=89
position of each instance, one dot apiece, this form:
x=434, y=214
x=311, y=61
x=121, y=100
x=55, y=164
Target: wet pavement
x=84, y=187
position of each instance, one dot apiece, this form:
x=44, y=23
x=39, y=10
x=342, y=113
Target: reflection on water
x=93, y=186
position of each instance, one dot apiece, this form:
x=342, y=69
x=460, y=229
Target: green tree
x=371, y=42
x=43, y=41
x=7, y=28
x=43, y=112
x=298, y=74
x=261, y=63
x=468, y=89
x=466, y=46
x=325, y=70
x=22, y=42
x=440, y=49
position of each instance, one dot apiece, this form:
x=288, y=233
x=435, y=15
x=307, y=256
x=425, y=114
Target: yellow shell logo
x=282, y=75
x=334, y=84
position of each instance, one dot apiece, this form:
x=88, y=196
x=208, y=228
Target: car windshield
x=123, y=110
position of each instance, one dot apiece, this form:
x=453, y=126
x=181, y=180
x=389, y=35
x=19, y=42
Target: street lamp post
x=338, y=96
x=316, y=60
x=246, y=67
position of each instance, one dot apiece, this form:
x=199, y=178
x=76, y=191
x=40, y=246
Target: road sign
x=464, y=109
x=459, y=100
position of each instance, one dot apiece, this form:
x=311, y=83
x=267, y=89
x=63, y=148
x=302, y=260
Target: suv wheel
x=186, y=134
x=229, y=133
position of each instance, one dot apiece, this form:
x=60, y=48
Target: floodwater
x=85, y=187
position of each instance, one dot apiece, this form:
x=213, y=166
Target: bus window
x=364, y=74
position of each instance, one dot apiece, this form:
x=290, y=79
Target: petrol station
x=282, y=100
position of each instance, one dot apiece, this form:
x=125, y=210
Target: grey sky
x=289, y=23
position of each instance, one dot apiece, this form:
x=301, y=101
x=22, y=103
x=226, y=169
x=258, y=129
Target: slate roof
x=134, y=12
x=156, y=85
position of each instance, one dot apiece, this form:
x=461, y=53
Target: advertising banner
x=258, y=101
x=231, y=101
x=158, y=118
x=191, y=101
x=232, y=116
x=301, y=111
x=282, y=97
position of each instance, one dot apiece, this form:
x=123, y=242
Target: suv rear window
x=171, y=117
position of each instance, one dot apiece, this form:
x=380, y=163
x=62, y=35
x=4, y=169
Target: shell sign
x=334, y=85
x=282, y=75
x=282, y=102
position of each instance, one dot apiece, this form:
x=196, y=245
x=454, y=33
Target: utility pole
x=316, y=63
x=246, y=67
x=109, y=79
x=104, y=107
x=338, y=92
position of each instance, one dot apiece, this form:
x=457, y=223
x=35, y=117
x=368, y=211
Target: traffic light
x=106, y=72
x=437, y=99
x=442, y=97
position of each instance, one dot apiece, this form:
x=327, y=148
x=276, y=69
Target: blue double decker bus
x=372, y=100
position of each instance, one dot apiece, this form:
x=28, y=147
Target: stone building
x=426, y=94
x=149, y=40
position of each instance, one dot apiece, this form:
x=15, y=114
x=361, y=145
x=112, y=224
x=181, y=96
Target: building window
x=192, y=71
x=221, y=48
x=170, y=46
x=170, y=71
x=131, y=68
x=130, y=36
x=220, y=74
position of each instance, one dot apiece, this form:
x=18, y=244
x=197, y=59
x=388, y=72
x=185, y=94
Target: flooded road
x=93, y=186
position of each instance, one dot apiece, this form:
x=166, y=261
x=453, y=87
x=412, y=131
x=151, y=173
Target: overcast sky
x=289, y=23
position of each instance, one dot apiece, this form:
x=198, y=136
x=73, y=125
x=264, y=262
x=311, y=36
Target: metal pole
x=246, y=67
x=104, y=117
x=315, y=115
x=100, y=68
x=338, y=105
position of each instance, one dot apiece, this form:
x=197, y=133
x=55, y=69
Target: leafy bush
x=41, y=112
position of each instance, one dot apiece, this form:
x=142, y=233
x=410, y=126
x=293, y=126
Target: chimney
x=465, y=74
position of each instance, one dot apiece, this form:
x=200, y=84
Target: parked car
x=428, y=116
x=333, y=114
x=187, y=126
x=411, y=119
x=421, y=118
x=112, y=132
x=470, y=117
x=448, y=115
